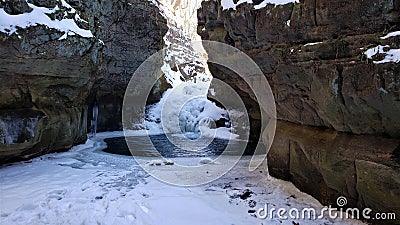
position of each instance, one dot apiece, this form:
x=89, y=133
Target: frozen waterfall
x=185, y=107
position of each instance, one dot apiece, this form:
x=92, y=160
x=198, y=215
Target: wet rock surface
x=60, y=76
x=329, y=164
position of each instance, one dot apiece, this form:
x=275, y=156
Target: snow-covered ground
x=88, y=186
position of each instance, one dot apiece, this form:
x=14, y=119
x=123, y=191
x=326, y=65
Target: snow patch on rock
x=275, y=2
x=391, y=55
x=10, y=24
x=391, y=34
x=230, y=4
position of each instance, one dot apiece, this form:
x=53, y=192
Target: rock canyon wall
x=51, y=79
x=336, y=91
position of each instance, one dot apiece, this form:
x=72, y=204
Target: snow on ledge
x=314, y=43
x=9, y=24
x=229, y=4
x=276, y=2
x=391, y=34
x=391, y=55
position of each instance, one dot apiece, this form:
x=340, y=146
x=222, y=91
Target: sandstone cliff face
x=313, y=55
x=330, y=84
x=49, y=82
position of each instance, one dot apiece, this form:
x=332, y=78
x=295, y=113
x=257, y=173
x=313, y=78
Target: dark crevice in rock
x=381, y=83
x=315, y=12
x=339, y=69
x=396, y=154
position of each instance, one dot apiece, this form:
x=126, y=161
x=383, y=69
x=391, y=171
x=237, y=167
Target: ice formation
x=187, y=72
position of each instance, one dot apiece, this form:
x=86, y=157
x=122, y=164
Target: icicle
x=17, y=130
x=94, y=120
